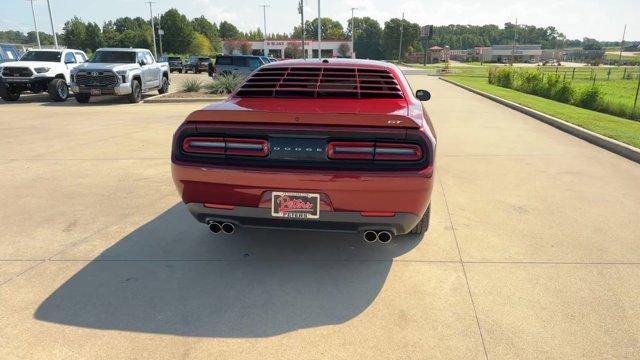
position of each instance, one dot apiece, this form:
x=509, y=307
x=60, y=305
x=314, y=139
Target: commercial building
x=288, y=49
x=436, y=54
x=504, y=53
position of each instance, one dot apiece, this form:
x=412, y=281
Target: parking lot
x=533, y=250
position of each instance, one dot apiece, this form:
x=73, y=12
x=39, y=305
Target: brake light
x=373, y=151
x=229, y=146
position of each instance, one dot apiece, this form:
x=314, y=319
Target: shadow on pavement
x=171, y=276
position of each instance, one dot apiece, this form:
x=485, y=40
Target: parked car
x=9, y=52
x=340, y=145
x=238, y=64
x=38, y=71
x=120, y=71
x=197, y=64
x=175, y=62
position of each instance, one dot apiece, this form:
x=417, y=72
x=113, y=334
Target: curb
x=616, y=147
x=162, y=99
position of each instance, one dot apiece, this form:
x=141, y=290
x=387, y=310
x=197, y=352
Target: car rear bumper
x=337, y=221
x=402, y=196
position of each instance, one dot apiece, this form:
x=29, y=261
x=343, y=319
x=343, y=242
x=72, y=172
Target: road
x=533, y=251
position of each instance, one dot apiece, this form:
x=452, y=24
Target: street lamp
x=353, y=34
x=264, y=15
x=153, y=29
x=53, y=28
x=35, y=23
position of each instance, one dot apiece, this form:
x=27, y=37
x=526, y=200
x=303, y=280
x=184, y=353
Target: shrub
x=588, y=98
x=530, y=82
x=501, y=77
x=225, y=84
x=191, y=85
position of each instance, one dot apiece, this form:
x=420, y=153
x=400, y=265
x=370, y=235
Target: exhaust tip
x=384, y=236
x=214, y=227
x=370, y=236
x=228, y=228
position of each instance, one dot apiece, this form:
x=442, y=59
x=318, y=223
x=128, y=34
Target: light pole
x=160, y=32
x=53, y=28
x=264, y=15
x=35, y=23
x=401, y=31
x=624, y=32
x=319, y=33
x=153, y=29
x=353, y=34
x=513, y=49
x=301, y=11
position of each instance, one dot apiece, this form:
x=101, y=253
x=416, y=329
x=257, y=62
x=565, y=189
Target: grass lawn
x=623, y=130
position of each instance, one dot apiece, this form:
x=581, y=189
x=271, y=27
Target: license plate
x=96, y=91
x=295, y=205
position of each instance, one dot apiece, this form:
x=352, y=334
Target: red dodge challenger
x=338, y=145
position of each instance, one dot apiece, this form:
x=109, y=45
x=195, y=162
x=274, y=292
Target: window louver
x=321, y=82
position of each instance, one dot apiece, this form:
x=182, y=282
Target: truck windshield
x=119, y=57
x=50, y=56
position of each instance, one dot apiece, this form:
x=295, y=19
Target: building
x=436, y=54
x=288, y=49
x=504, y=53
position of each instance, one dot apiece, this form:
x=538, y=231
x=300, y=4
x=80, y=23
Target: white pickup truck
x=38, y=71
x=119, y=71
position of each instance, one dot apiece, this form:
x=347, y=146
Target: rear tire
x=7, y=94
x=179, y=71
x=164, y=88
x=136, y=92
x=423, y=225
x=58, y=90
x=83, y=98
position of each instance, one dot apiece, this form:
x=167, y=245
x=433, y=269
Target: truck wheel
x=423, y=225
x=179, y=71
x=83, y=98
x=136, y=92
x=196, y=71
x=9, y=94
x=164, y=88
x=58, y=90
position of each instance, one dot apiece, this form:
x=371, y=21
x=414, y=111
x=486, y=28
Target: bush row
x=554, y=87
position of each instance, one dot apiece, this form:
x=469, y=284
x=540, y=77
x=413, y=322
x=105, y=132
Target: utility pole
x=635, y=102
x=319, y=33
x=353, y=34
x=53, y=28
x=401, y=31
x=35, y=23
x=624, y=32
x=513, y=49
x=160, y=32
x=153, y=29
x=264, y=15
x=301, y=11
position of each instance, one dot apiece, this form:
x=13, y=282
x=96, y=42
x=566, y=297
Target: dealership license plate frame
x=295, y=212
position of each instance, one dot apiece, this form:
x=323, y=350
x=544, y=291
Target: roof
x=332, y=62
x=518, y=47
x=123, y=49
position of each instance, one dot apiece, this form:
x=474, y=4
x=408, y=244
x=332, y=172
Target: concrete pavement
x=533, y=250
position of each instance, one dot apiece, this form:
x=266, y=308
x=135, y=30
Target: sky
x=599, y=19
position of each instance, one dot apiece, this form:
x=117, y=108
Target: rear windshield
x=224, y=60
x=118, y=57
x=50, y=56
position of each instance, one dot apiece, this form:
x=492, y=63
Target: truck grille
x=96, y=78
x=22, y=72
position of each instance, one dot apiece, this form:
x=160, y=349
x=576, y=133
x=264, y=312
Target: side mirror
x=423, y=95
x=142, y=62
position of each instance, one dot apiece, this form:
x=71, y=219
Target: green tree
x=74, y=33
x=200, y=45
x=391, y=38
x=228, y=31
x=367, y=44
x=331, y=30
x=178, y=32
x=209, y=30
x=45, y=39
x=93, y=39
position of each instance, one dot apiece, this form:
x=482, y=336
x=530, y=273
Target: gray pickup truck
x=116, y=71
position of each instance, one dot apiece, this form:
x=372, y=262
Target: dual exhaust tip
x=225, y=228
x=373, y=236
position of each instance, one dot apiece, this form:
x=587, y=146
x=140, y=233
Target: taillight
x=229, y=146
x=373, y=151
